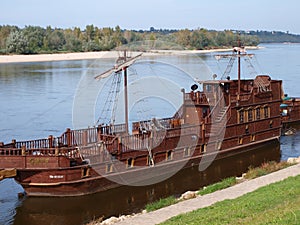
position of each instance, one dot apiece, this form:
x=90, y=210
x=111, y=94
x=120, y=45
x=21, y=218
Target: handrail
x=198, y=97
x=218, y=104
x=221, y=123
x=69, y=152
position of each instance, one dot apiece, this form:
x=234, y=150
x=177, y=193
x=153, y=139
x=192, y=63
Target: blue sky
x=268, y=15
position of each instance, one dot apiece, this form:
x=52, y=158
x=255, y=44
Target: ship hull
x=230, y=162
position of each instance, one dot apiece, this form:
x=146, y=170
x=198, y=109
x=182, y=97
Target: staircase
x=219, y=122
x=220, y=115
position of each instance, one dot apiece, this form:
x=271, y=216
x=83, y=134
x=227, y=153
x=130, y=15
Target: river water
x=37, y=99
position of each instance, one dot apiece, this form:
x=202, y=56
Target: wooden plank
x=8, y=173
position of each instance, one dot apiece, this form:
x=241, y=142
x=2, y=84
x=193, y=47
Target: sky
x=269, y=15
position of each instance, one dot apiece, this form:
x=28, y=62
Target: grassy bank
x=249, y=206
x=277, y=203
x=252, y=173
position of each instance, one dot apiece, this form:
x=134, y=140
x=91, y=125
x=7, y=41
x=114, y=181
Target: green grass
x=252, y=173
x=161, y=203
x=277, y=203
x=227, y=182
x=265, y=169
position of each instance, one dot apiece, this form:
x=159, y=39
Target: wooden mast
x=239, y=69
x=126, y=95
x=121, y=65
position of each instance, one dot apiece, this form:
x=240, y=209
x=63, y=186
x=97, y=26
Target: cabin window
x=130, y=163
x=85, y=172
x=204, y=112
x=247, y=129
x=257, y=113
x=241, y=116
x=186, y=152
x=250, y=115
x=271, y=124
x=169, y=155
x=203, y=148
x=240, y=140
x=208, y=87
x=109, y=168
x=252, y=137
x=266, y=112
x=284, y=112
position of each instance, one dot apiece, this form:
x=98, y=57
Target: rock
x=123, y=217
x=188, y=195
x=293, y=160
x=110, y=221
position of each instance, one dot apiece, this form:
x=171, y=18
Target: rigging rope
x=107, y=114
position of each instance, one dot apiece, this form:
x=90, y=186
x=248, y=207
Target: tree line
x=36, y=40
x=275, y=36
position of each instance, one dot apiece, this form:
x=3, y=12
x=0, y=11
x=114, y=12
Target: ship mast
x=126, y=95
x=239, y=70
x=238, y=52
x=122, y=64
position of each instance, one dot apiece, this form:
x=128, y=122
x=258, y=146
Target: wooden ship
x=228, y=118
x=290, y=112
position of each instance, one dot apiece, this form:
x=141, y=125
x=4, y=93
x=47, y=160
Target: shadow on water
x=128, y=199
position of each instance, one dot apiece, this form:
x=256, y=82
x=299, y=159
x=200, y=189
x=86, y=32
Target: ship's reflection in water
x=127, y=200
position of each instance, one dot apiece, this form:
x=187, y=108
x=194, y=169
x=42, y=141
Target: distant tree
x=90, y=32
x=118, y=38
x=128, y=35
x=106, y=43
x=183, y=37
x=56, y=40
x=35, y=37
x=4, y=33
x=17, y=43
x=77, y=32
x=91, y=46
x=73, y=42
x=231, y=38
x=48, y=32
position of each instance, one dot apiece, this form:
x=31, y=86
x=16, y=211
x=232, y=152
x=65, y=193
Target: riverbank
x=199, y=202
x=97, y=55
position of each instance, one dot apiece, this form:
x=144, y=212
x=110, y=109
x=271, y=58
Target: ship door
x=213, y=92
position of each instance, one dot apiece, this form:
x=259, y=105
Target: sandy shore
x=51, y=57
x=94, y=55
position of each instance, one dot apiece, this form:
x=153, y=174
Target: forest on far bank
x=37, y=40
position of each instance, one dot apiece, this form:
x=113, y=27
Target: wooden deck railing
x=71, y=140
x=197, y=97
x=68, y=152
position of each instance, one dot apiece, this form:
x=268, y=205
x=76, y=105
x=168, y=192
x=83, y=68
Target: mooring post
x=13, y=142
x=23, y=148
x=68, y=133
x=50, y=140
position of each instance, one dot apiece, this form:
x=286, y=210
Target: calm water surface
x=37, y=99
